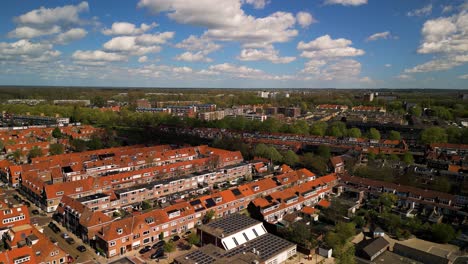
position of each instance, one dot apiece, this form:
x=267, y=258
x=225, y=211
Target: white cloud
x=268, y=53
x=435, y=65
x=367, y=80
x=380, y=35
x=464, y=77
x=258, y=4
x=326, y=47
x=138, y=45
x=29, y=32
x=447, y=37
x=96, y=57
x=447, y=9
x=70, y=35
x=346, y=2
x=125, y=28
x=313, y=67
x=192, y=57
x=424, y=11
x=24, y=50
x=182, y=69
x=226, y=21
x=404, y=77
x=45, y=17
x=194, y=43
x=388, y=65
x=142, y=59
x=305, y=19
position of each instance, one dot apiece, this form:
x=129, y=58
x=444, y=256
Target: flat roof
x=229, y=225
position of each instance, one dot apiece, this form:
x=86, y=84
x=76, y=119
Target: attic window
x=149, y=220
x=59, y=193
x=285, y=179
x=218, y=199
x=256, y=188
x=119, y=231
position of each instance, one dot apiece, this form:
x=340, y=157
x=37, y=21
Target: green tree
x=79, y=145
x=193, y=239
x=394, y=135
x=433, y=135
x=337, y=129
x=94, y=143
x=290, y=158
x=208, y=216
x=318, y=128
x=408, y=158
x=261, y=150
x=145, y=205
x=56, y=133
x=443, y=233
x=169, y=247
x=2, y=145
x=373, y=134
x=300, y=127
x=56, y=149
x=35, y=152
x=354, y=132
x=454, y=134
x=314, y=163
x=346, y=257
x=324, y=151
x=416, y=111
x=98, y=101
x=274, y=155
x=17, y=155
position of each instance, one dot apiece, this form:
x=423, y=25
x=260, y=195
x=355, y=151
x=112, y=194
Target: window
x=255, y=232
x=235, y=241
x=245, y=236
x=112, y=244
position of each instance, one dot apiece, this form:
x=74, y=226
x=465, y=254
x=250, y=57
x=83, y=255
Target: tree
x=35, y=152
x=318, y=128
x=324, y=151
x=346, y=257
x=373, y=134
x=408, y=158
x=415, y=111
x=261, y=150
x=94, y=143
x=433, y=135
x=354, y=132
x=193, y=239
x=290, y=158
x=145, y=205
x=17, y=155
x=98, y=101
x=314, y=163
x=169, y=247
x=394, y=135
x=2, y=145
x=273, y=155
x=79, y=145
x=388, y=199
x=56, y=133
x=208, y=216
x=443, y=233
x=337, y=129
x=56, y=149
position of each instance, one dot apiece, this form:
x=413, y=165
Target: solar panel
x=236, y=192
x=210, y=203
x=195, y=202
x=233, y=223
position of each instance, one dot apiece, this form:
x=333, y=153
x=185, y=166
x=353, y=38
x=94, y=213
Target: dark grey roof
x=418, y=255
x=370, y=247
x=92, y=197
x=229, y=225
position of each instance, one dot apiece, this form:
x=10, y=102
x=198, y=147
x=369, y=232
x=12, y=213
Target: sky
x=235, y=43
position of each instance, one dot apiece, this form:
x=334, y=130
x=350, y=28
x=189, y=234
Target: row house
x=12, y=215
x=408, y=197
x=18, y=255
x=128, y=234
x=363, y=108
x=25, y=148
x=273, y=207
x=332, y=107
x=43, y=250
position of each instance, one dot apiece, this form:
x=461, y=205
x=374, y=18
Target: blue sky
x=236, y=43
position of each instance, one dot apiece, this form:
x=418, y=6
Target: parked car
x=28, y=204
x=159, y=244
x=187, y=234
x=175, y=238
x=65, y=235
x=35, y=212
x=81, y=248
x=70, y=240
x=54, y=227
x=144, y=250
x=159, y=253
x=53, y=240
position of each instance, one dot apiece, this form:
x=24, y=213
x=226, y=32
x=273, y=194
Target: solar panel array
x=233, y=223
x=236, y=192
x=268, y=245
x=200, y=257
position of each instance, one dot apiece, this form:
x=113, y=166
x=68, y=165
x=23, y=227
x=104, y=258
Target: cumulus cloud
x=142, y=59
x=25, y=32
x=96, y=57
x=346, y=2
x=138, y=45
x=305, y=19
x=125, y=28
x=447, y=37
x=380, y=35
x=192, y=57
x=25, y=50
x=424, y=11
x=70, y=35
x=447, y=9
x=257, y=4
x=226, y=21
x=464, y=77
x=404, y=77
x=268, y=53
x=326, y=47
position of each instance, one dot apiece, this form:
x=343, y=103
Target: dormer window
x=218, y=199
x=256, y=188
x=119, y=231
x=149, y=220
x=285, y=179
